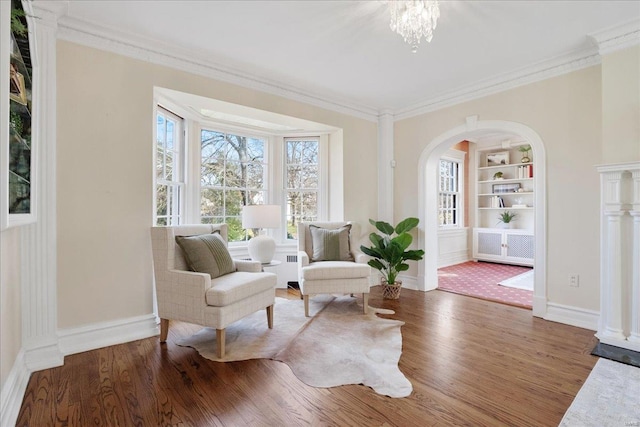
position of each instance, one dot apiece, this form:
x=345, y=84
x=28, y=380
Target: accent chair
x=330, y=261
x=219, y=292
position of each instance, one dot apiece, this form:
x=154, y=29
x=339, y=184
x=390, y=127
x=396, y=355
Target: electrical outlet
x=574, y=280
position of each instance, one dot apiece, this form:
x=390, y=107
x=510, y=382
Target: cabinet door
x=487, y=245
x=519, y=248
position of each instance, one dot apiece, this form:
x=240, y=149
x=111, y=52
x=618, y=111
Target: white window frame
x=178, y=203
x=196, y=163
x=274, y=180
x=454, y=156
x=322, y=190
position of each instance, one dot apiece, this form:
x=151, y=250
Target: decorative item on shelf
x=505, y=188
x=259, y=217
x=506, y=219
x=390, y=253
x=524, y=149
x=414, y=19
x=497, y=176
x=498, y=159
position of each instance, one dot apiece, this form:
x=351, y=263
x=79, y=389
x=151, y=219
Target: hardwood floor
x=471, y=362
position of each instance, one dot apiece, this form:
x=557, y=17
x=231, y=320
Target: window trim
x=323, y=178
x=455, y=156
x=330, y=199
x=180, y=136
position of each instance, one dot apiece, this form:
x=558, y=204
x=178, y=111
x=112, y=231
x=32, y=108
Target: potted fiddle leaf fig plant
x=390, y=253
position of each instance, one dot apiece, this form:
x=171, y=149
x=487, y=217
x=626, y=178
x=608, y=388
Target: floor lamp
x=261, y=247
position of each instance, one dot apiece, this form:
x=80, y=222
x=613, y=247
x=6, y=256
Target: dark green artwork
x=20, y=114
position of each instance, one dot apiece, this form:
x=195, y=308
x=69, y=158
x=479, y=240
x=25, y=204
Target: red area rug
x=480, y=280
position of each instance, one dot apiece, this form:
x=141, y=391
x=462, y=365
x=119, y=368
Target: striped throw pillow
x=206, y=253
x=330, y=244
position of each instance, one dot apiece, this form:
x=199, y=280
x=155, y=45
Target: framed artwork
x=17, y=172
x=506, y=188
x=498, y=159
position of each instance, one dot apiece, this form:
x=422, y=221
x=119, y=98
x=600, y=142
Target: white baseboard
x=409, y=282
x=13, y=391
x=574, y=316
x=453, y=258
x=91, y=337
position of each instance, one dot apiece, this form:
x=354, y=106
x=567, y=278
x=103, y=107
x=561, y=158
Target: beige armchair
x=198, y=298
x=324, y=268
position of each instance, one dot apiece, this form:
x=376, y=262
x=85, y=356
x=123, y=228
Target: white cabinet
x=509, y=246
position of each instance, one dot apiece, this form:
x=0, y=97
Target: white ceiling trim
x=153, y=51
x=617, y=38
x=150, y=50
x=530, y=74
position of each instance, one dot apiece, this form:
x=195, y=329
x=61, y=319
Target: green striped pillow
x=330, y=244
x=206, y=253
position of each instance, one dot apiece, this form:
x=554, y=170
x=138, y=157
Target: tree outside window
x=302, y=170
x=232, y=175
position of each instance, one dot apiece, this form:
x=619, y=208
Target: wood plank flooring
x=471, y=363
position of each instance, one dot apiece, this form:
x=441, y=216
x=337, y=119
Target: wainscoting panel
x=453, y=247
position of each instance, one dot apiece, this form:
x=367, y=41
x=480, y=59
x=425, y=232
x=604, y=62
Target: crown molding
x=153, y=51
x=533, y=73
x=192, y=61
x=616, y=38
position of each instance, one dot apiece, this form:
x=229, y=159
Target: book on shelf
x=525, y=171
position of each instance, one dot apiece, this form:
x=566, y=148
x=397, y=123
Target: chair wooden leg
x=306, y=305
x=220, y=338
x=270, y=316
x=164, y=329
x=365, y=302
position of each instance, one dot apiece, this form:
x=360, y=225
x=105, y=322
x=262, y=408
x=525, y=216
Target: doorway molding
x=427, y=196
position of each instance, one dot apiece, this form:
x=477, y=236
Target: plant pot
x=391, y=291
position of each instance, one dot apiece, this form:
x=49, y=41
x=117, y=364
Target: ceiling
x=344, y=51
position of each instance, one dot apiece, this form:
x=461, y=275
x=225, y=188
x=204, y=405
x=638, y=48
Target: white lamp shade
x=261, y=216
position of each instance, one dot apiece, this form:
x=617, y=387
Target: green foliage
x=17, y=26
x=524, y=148
x=390, y=251
x=507, y=217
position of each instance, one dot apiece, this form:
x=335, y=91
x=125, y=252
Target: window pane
x=161, y=200
x=233, y=168
x=211, y=202
x=309, y=176
x=449, y=193
x=255, y=175
x=234, y=201
x=170, y=134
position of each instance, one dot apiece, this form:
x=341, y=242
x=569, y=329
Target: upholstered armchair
x=219, y=292
x=330, y=261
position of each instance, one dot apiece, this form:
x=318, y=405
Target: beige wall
x=621, y=106
x=566, y=112
x=11, y=323
x=105, y=175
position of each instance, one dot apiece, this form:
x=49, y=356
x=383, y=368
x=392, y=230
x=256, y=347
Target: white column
x=39, y=300
x=634, y=332
x=612, y=307
x=386, y=163
x=620, y=256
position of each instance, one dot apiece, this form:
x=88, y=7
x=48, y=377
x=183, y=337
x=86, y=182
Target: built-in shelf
x=495, y=196
x=506, y=180
x=506, y=194
x=507, y=207
x=504, y=166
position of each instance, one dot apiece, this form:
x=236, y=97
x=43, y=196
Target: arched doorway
x=427, y=196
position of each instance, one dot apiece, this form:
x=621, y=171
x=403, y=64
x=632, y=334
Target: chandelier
x=413, y=19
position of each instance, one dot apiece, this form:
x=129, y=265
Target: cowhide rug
x=338, y=345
